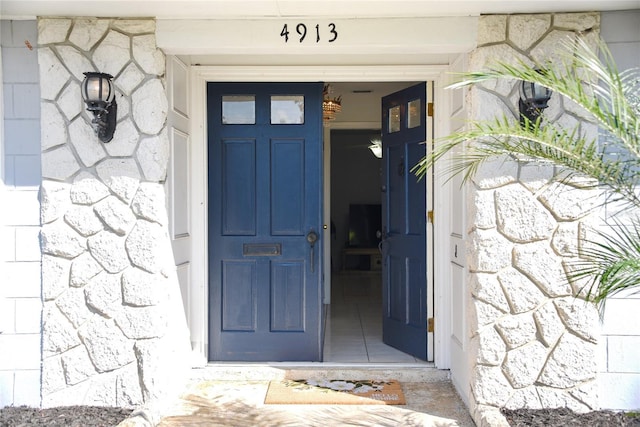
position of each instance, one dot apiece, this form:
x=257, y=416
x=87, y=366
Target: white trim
x=303, y=73
x=2, y=160
x=200, y=75
x=2, y=190
x=199, y=209
x=429, y=234
x=219, y=9
x=441, y=276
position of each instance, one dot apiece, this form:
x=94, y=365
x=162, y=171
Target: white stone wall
x=20, y=304
x=114, y=331
x=533, y=344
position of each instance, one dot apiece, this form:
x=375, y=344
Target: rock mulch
x=63, y=416
x=567, y=418
x=96, y=416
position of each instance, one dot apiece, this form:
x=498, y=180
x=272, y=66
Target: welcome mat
x=335, y=392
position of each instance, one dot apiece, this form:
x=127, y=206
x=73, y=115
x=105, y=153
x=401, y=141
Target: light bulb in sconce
x=376, y=147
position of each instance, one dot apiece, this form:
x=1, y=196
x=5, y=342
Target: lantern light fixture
x=99, y=95
x=330, y=106
x=533, y=100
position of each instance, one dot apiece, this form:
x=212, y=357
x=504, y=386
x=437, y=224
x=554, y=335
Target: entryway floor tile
x=353, y=330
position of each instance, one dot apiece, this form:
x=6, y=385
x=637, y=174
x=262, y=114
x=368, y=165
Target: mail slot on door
x=261, y=249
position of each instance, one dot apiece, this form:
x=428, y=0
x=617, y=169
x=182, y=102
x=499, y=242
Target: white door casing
x=179, y=192
x=200, y=75
x=451, y=224
x=362, y=54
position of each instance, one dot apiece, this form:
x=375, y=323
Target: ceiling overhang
x=211, y=9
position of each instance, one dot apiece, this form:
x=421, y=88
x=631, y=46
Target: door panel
x=238, y=188
x=239, y=288
x=287, y=194
x=287, y=296
x=264, y=198
x=404, y=219
x=179, y=191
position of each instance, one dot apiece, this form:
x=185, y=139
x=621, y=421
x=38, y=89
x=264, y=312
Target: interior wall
x=355, y=178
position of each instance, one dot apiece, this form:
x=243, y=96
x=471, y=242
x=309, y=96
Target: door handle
x=312, y=238
x=382, y=235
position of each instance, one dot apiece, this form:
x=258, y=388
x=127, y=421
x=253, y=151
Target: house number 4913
x=329, y=34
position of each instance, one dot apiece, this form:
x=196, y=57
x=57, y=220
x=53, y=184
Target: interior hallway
x=353, y=331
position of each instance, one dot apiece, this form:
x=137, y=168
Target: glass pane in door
x=413, y=114
x=238, y=109
x=394, y=119
x=287, y=109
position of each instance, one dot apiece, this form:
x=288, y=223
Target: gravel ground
x=64, y=416
x=95, y=416
x=567, y=418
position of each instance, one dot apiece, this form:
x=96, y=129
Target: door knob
x=312, y=238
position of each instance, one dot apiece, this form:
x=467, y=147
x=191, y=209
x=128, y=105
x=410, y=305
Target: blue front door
x=264, y=154
x=404, y=282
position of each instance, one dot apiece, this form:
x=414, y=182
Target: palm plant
x=589, y=78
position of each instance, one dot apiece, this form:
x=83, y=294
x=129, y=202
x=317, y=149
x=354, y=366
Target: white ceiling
x=201, y=9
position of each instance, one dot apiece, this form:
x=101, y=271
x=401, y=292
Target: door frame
x=201, y=75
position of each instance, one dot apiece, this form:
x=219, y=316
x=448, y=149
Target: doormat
x=335, y=392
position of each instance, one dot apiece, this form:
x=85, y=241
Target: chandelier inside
x=330, y=106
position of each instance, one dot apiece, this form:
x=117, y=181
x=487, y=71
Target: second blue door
x=404, y=279
x=264, y=156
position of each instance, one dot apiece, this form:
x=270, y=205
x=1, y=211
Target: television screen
x=365, y=221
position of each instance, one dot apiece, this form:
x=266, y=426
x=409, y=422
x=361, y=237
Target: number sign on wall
x=328, y=34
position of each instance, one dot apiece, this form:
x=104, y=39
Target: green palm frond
x=593, y=84
x=610, y=100
x=610, y=264
x=550, y=143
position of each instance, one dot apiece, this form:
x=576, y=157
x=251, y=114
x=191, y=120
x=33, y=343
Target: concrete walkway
x=228, y=396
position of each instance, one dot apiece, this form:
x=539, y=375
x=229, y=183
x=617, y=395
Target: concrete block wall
x=20, y=289
x=619, y=345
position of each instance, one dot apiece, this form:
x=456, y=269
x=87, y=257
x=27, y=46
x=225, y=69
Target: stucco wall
x=114, y=331
x=619, y=345
x=20, y=303
x=533, y=344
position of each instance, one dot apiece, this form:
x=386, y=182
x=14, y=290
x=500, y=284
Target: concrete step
x=274, y=371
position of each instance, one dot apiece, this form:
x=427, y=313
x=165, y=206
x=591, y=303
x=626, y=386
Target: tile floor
x=353, y=329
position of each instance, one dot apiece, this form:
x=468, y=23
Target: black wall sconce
x=533, y=99
x=99, y=95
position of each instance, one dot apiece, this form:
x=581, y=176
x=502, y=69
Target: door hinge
x=430, y=216
x=429, y=109
x=430, y=324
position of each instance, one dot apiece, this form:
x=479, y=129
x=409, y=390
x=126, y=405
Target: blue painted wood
x=238, y=187
x=404, y=220
x=287, y=193
x=287, y=296
x=239, y=295
x=264, y=197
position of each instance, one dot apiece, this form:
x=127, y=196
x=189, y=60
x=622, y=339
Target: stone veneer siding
x=533, y=343
x=114, y=331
